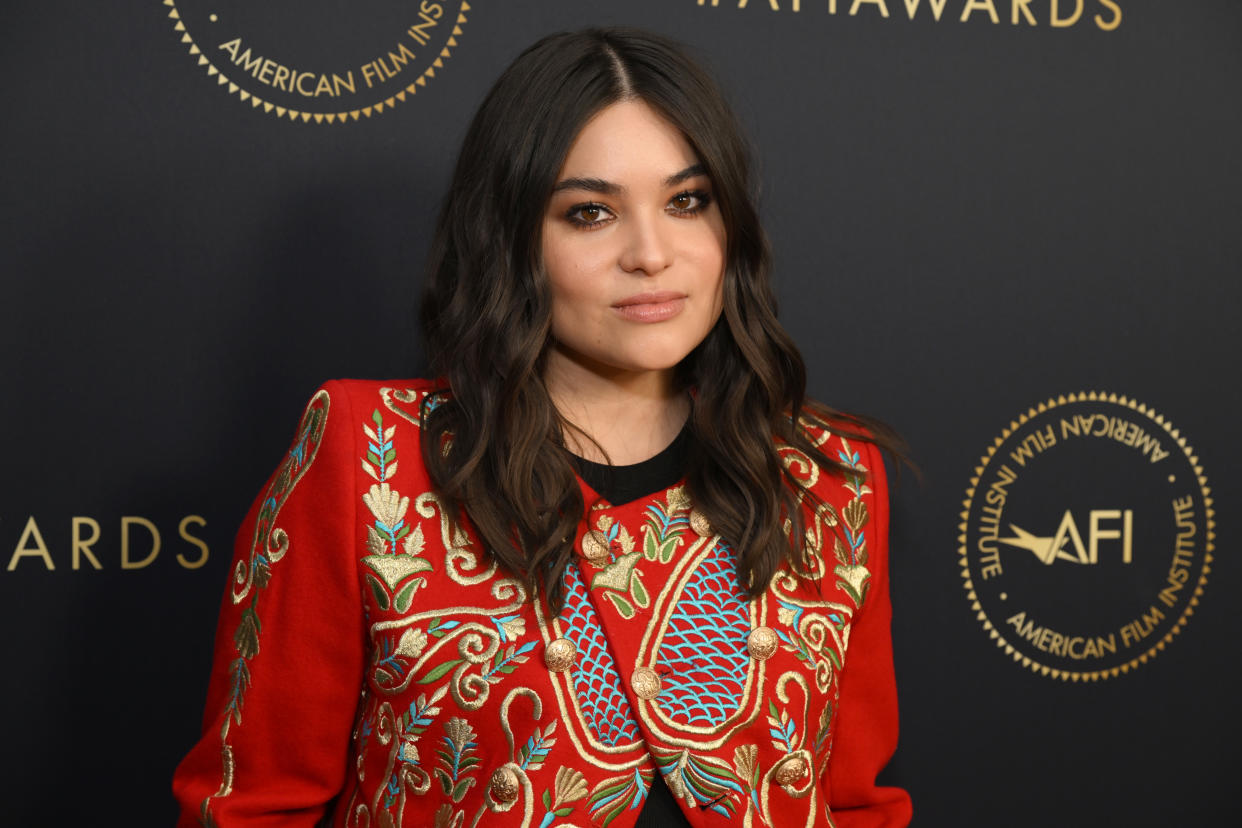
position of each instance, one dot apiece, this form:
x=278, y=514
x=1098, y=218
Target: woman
x=595, y=573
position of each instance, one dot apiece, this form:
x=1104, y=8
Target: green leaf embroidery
x=439, y=670
x=402, y=600
x=377, y=589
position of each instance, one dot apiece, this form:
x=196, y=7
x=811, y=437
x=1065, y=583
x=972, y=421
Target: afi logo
x=1067, y=535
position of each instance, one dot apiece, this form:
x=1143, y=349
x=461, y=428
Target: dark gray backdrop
x=968, y=218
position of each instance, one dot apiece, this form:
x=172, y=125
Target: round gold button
x=595, y=547
x=790, y=770
x=559, y=655
x=761, y=643
x=700, y=524
x=646, y=683
x=505, y=786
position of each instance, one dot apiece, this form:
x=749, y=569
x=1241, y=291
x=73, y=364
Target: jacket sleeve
x=865, y=735
x=289, y=644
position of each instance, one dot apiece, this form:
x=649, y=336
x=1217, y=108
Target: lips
x=654, y=306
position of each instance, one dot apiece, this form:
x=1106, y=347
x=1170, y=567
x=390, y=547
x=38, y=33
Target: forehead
x=628, y=139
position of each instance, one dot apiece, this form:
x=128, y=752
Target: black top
x=621, y=484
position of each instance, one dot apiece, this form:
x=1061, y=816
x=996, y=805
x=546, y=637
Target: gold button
x=790, y=770
x=761, y=643
x=505, y=786
x=646, y=683
x=595, y=547
x=700, y=524
x=559, y=655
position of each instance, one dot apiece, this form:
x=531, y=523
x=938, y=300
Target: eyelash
x=702, y=200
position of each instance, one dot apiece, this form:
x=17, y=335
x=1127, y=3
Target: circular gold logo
x=320, y=62
x=1086, y=536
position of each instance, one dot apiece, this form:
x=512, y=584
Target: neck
x=631, y=416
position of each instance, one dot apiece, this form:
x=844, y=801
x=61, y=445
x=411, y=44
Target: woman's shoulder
x=384, y=389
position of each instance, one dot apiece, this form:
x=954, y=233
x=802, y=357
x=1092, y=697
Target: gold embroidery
x=408, y=396
x=580, y=735
x=268, y=545
x=446, y=817
x=509, y=782
x=793, y=766
x=226, y=758
x=460, y=556
x=746, y=766
x=276, y=543
x=748, y=704
x=570, y=786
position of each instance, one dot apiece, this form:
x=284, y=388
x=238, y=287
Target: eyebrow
x=599, y=185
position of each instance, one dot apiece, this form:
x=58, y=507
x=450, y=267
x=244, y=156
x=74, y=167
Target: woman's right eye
x=588, y=215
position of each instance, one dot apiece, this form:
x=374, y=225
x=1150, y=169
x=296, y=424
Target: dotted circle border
x=1210, y=536
x=318, y=117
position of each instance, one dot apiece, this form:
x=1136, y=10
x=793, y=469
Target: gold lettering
x=419, y=31
x=1141, y=627
x=342, y=83
x=303, y=76
x=128, y=521
x=1068, y=529
x=1108, y=26
x=82, y=546
x=402, y=56
x=880, y=3
x=282, y=74
x=39, y=550
x=1062, y=22
x=231, y=47
x=249, y=65
x=1021, y=6
x=183, y=530
x=937, y=7
x=1096, y=534
x=973, y=5
x=265, y=74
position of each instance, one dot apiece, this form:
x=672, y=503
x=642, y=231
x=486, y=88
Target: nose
x=646, y=248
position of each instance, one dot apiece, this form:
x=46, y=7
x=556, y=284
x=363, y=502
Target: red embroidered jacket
x=372, y=665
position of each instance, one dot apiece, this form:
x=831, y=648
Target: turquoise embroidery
x=703, y=657
x=596, y=683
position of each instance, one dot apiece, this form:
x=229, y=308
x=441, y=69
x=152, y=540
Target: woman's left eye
x=689, y=202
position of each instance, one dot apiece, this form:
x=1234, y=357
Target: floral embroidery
x=664, y=525
x=707, y=780
x=396, y=551
x=615, y=795
x=746, y=765
x=268, y=545
x=457, y=758
x=851, y=570
x=620, y=579
x=569, y=786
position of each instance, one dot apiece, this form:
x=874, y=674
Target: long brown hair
x=494, y=445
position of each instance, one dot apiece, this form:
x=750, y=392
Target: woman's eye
x=588, y=215
x=689, y=202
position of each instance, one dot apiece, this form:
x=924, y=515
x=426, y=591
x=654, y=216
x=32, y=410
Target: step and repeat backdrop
x=1008, y=227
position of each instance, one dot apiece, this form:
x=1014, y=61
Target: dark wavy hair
x=495, y=446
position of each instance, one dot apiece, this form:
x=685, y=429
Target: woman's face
x=633, y=247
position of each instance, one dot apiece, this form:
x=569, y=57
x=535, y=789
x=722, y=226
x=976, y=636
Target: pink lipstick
x=654, y=306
